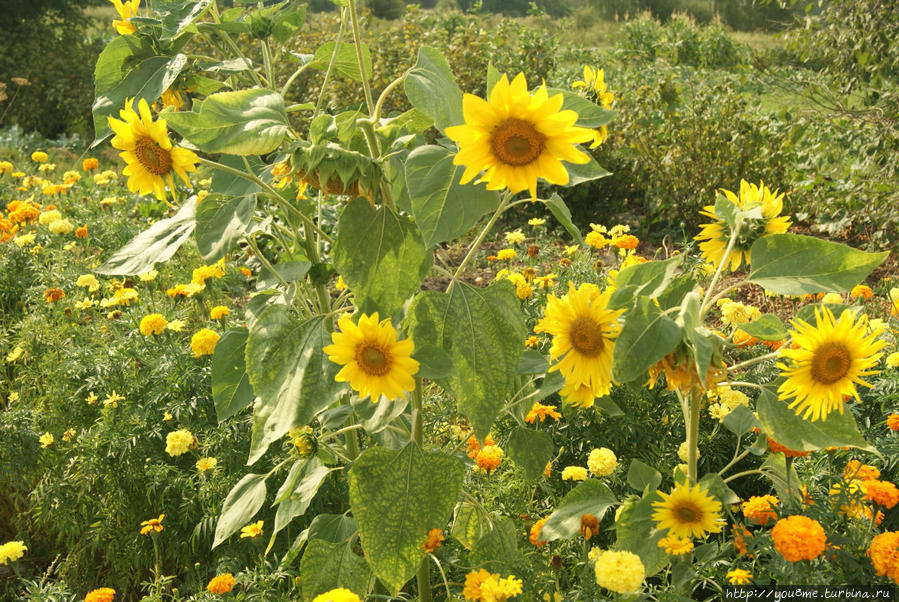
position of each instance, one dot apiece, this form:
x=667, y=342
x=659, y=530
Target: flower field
x=259, y=345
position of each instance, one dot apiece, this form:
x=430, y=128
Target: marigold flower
x=619, y=571
x=39, y=156
x=855, y=470
x=736, y=313
x=489, y=457
x=628, y=241
x=776, y=448
x=739, y=577
x=81, y=232
x=102, y=594
x=515, y=237
x=340, y=286
x=180, y=442
x=68, y=435
x=534, y=535
x=799, y=538
x=221, y=584
x=506, y=254
x=532, y=341
x=218, y=312
x=676, y=546
x=152, y=324
x=861, y=290
x=882, y=493
x=489, y=587
x=46, y=439
x=253, y=530
x=893, y=422
x=433, y=540
x=205, y=464
x=892, y=360
x=112, y=400
x=52, y=295
x=540, y=412
x=761, y=509
x=340, y=594
x=151, y=526
x=203, y=342
x=474, y=447
x=884, y=554
x=741, y=534
x=574, y=473
x=602, y=462
x=89, y=164
x=589, y=526
x=12, y=551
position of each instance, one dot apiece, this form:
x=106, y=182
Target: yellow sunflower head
x=147, y=151
x=126, y=10
x=761, y=215
x=584, y=332
x=517, y=137
x=374, y=362
x=688, y=512
x=827, y=362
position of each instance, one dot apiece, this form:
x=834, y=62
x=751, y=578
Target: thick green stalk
x=692, y=439
x=357, y=42
x=424, y=569
x=706, y=303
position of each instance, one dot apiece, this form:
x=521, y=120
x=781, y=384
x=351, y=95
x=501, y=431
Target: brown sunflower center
x=373, y=360
x=517, y=142
x=688, y=513
x=586, y=336
x=830, y=363
x=152, y=157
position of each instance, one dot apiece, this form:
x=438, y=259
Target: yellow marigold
x=739, y=577
x=253, y=530
x=892, y=360
x=596, y=240
x=39, y=156
x=676, y=546
x=832, y=298
x=884, y=554
x=489, y=457
x=858, y=471
x=15, y=354
x=88, y=281
x=89, y=164
x=202, y=274
x=882, y=493
x=761, y=509
x=532, y=341
x=206, y=464
x=534, y=535
x=736, y=313
x=221, y=584
x=433, y=540
x=489, y=587
x=203, y=342
x=12, y=551
x=148, y=276
x=515, y=237
x=574, y=473
x=506, y=254
x=340, y=594
x=46, y=439
x=340, y=286
x=619, y=571
x=799, y=538
x=152, y=324
x=102, y=594
x=602, y=462
x=540, y=412
x=68, y=435
x=176, y=325
x=48, y=217
x=536, y=221
x=893, y=422
x=112, y=400
x=179, y=442
x=185, y=290
x=218, y=312
x=151, y=526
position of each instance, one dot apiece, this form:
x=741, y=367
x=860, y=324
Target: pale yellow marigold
x=46, y=439
x=602, y=462
x=179, y=442
x=341, y=594
x=619, y=571
x=88, y=281
x=515, y=237
x=203, y=342
x=205, y=464
x=735, y=313
x=574, y=473
x=12, y=551
x=152, y=324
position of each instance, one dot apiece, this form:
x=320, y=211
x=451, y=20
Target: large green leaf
x=783, y=425
x=229, y=184
x=154, y=245
x=231, y=390
x=589, y=114
x=636, y=532
x=648, y=336
x=791, y=264
x=560, y=211
x=397, y=496
x=578, y=173
x=649, y=279
x=292, y=377
x=531, y=450
x=775, y=468
x=641, y=475
x=326, y=566
x=767, y=327
x=242, y=122
x=589, y=497
x=380, y=255
x=296, y=492
x=470, y=523
x=178, y=16
x=242, y=503
x=481, y=329
x=443, y=208
x=497, y=550
x=432, y=89
x=346, y=63
x=221, y=222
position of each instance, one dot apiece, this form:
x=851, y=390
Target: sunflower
x=374, y=362
x=828, y=361
x=517, y=137
x=126, y=10
x=148, y=152
x=688, y=512
x=584, y=332
x=716, y=235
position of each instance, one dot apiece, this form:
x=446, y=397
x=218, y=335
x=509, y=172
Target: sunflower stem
x=213, y=10
x=357, y=42
x=424, y=569
x=504, y=204
x=753, y=361
x=693, y=439
x=724, y=260
x=376, y=112
x=745, y=473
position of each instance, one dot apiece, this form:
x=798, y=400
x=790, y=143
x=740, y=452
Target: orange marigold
x=539, y=411
x=884, y=554
x=534, y=536
x=81, y=232
x=799, y=538
x=861, y=290
x=742, y=338
x=627, y=241
x=777, y=448
x=89, y=164
x=741, y=534
x=489, y=457
x=221, y=584
x=589, y=526
x=855, y=470
x=52, y=295
x=103, y=594
x=474, y=447
x=761, y=509
x=882, y=493
x=433, y=540
x=893, y=422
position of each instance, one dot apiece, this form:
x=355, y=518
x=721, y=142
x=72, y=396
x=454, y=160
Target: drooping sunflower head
x=374, y=362
x=516, y=137
x=126, y=10
x=688, y=512
x=584, y=331
x=146, y=149
x=827, y=361
x=760, y=209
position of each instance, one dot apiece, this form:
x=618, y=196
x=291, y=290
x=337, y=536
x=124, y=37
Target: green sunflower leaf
x=767, y=327
x=647, y=336
x=589, y=497
x=432, y=89
x=231, y=390
x=482, y=330
x=242, y=503
x=791, y=264
x=326, y=566
x=221, y=222
x=397, y=496
x=636, y=532
x=531, y=450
